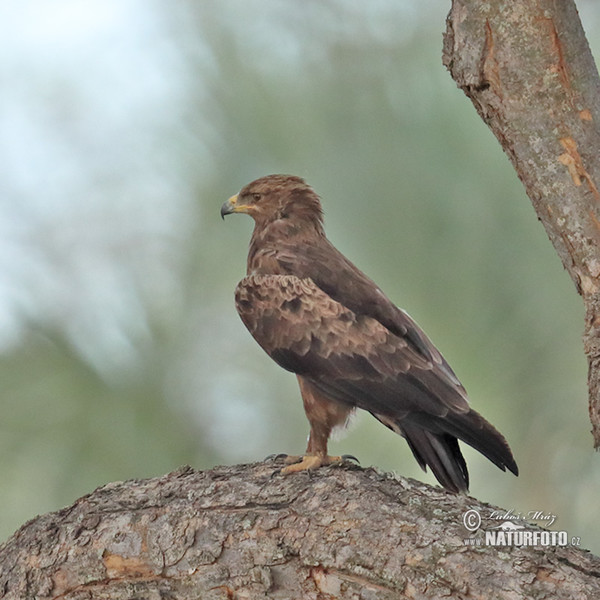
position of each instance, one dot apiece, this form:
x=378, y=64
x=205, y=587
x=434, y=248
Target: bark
x=248, y=532
x=528, y=70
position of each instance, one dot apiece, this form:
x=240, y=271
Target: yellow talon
x=308, y=462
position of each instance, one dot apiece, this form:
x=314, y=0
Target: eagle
x=317, y=315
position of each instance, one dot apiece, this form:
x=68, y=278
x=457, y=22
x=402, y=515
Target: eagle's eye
x=256, y=196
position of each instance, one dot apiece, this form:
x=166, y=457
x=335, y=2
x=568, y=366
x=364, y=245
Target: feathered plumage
x=320, y=317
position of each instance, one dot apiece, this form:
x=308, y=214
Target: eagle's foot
x=307, y=463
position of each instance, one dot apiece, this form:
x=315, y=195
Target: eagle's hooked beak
x=229, y=207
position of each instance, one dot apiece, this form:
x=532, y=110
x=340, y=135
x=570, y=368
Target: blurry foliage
x=123, y=356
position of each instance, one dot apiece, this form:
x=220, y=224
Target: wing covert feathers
x=355, y=359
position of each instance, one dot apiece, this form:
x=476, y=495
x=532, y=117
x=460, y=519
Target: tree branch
x=248, y=532
x=528, y=70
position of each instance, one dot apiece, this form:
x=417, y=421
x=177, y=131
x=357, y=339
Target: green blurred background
x=125, y=125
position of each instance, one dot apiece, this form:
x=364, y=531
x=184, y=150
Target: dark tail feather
x=441, y=453
x=474, y=430
x=433, y=443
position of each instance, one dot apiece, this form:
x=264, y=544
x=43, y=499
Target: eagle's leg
x=323, y=415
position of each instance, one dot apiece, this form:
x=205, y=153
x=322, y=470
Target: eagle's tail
x=441, y=453
x=434, y=443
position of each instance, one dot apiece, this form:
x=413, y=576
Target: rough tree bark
x=248, y=532
x=528, y=70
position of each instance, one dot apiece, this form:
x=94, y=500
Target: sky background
x=124, y=125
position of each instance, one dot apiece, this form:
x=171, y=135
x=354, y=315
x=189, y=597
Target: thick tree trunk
x=249, y=532
x=528, y=70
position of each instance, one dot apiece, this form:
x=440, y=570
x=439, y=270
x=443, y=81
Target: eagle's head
x=277, y=197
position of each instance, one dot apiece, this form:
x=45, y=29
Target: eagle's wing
x=342, y=281
x=355, y=359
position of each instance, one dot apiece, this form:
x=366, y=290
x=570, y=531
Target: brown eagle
x=318, y=316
